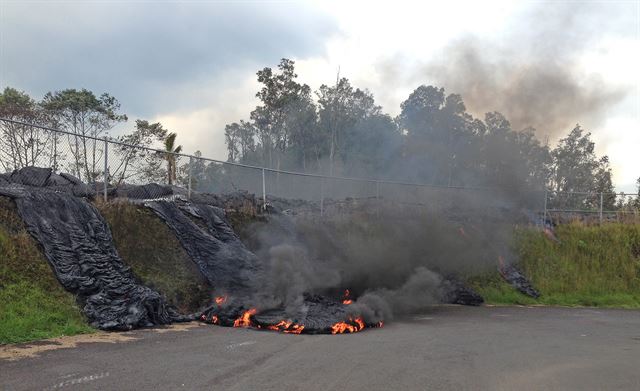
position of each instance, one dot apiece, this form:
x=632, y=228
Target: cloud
x=154, y=57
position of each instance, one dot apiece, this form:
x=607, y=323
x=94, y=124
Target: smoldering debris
x=514, y=276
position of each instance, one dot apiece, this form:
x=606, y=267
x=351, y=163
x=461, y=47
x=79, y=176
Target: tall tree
x=279, y=92
x=134, y=159
x=21, y=145
x=240, y=140
x=577, y=169
x=83, y=113
x=343, y=110
x=170, y=151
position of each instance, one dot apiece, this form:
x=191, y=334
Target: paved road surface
x=448, y=348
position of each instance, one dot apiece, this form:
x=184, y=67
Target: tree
x=134, y=159
x=23, y=145
x=170, y=151
x=84, y=114
x=577, y=169
x=343, y=113
x=278, y=94
x=240, y=140
x=438, y=134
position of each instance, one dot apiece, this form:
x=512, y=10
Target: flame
x=344, y=327
x=346, y=300
x=221, y=299
x=282, y=325
x=287, y=327
x=203, y=317
x=295, y=329
x=214, y=319
x=245, y=319
x=381, y=324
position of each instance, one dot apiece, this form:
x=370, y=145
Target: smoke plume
x=532, y=73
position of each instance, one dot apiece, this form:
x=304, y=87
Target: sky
x=191, y=64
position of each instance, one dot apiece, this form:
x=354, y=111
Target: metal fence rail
x=103, y=162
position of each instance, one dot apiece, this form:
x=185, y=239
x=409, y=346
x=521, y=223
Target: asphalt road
x=448, y=348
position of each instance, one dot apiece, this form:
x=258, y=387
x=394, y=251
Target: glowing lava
x=353, y=326
x=245, y=319
x=346, y=300
x=287, y=327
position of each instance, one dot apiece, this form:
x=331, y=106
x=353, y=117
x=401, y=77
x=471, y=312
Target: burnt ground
x=447, y=348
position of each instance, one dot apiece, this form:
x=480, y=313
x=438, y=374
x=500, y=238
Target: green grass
x=33, y=305
x=595, y=265
x=27, y=312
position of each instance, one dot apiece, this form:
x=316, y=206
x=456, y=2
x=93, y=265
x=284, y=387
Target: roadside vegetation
x=33, y=304
x=592, y=265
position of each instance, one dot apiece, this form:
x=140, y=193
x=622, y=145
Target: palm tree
x=170, y=157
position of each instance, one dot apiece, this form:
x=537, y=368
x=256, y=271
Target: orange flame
x=287, y=327
x=214, y=319
x=221, y=299
x=346, y=300
x=245, y=319
x=344, y=327
x=295, y=329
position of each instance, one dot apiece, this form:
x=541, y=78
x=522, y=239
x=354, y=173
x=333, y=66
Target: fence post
x=190, y=164
x=377, y=199
x=321, y=196
x=106, y=168
x=264, y=192
x=55, y=152
x=601, y=202
x=544, y=221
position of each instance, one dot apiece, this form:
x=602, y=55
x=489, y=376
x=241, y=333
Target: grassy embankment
x=597, y=265
x=33, y=304
x=155, y=255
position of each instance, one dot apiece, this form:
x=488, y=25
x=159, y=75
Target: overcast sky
x=191, y=64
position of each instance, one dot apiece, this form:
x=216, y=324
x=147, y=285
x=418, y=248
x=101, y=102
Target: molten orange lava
x=287, y=327
x=344, y=327
x=346, y=300
x=221, y=299
x=245, y=319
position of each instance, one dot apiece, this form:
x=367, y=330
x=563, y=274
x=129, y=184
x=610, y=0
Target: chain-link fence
x=108, y=166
